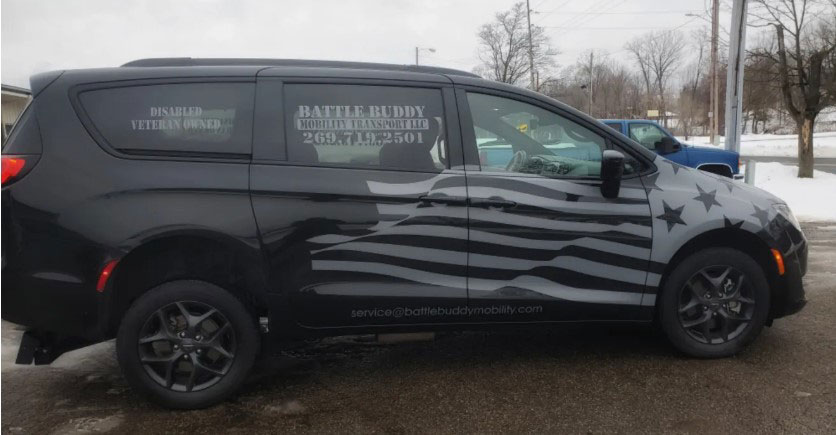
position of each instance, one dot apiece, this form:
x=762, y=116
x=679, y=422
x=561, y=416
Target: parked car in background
x=655, y=138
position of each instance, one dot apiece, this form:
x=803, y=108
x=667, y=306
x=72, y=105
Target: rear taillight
x=12, y=168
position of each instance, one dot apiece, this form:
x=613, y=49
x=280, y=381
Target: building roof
x=15, y=90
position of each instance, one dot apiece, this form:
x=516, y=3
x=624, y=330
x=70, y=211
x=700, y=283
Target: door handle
x=492, y=202
x=443, y=199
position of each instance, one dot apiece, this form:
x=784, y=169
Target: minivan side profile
x=204, y=211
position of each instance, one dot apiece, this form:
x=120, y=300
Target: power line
x=628, y=12
x=605, y=28
x=586, y=11
x=542, y=16
x=590, y=16
x=659, y=35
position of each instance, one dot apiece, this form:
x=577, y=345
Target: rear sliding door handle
x=492, y=202
x=443, y=199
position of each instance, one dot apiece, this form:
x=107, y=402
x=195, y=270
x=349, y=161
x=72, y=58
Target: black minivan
x=202, y=210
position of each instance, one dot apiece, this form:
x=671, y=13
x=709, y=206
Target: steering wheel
x=576, y=136
x=517, y=161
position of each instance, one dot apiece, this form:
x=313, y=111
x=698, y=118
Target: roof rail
x=190, y=61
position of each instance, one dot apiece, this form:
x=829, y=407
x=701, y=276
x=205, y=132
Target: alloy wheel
x=716, y=304
x=187, y=346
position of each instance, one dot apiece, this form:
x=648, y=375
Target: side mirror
x=666, y=145
x=612, y=168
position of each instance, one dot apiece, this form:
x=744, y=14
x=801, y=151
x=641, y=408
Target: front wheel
x=714, y=303
x=187, y=344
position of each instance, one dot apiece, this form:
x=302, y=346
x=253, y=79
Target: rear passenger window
x=203, y=118
x=366, y=126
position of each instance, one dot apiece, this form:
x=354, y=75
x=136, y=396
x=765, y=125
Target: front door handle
x=492, y=202
x=443, y=199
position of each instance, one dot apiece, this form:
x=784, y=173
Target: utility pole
x=734, y=77
x=715, y=103
x=591, y=65
x=417, y=49
x=534, y=84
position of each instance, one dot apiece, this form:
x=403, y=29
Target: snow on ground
x=811, y=199
x=783, y=145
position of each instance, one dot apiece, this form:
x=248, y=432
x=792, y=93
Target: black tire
x=223, y=374
x=711, y=339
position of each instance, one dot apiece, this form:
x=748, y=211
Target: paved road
x=827, y=164
x=580, y=379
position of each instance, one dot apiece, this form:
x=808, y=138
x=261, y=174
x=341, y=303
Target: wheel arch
x=198, y=255
x=747, y=242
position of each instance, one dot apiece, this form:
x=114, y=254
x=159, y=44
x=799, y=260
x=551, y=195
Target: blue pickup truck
x=496, y=152
x=655, y=138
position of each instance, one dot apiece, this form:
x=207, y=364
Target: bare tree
x=617, y=92
x=657, y=56
x=503, y=48
x=640, y=49
x=759, y=96
x=690, y=106
x=803, y=55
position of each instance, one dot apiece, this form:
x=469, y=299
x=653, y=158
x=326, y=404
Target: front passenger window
x=517, y=137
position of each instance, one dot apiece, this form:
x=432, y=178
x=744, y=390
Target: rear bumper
x=45, y=303
x=46, y=286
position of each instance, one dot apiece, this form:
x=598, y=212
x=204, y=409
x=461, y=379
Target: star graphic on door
x=671, y=216
x=676, y=166
x=761, y=214
x=729, y=183
x=706, y=198
x=650, y=183
x=727, y=223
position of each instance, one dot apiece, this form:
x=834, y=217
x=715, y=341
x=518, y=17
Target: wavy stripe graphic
x=459, y=233
x=555, y=290
x=564, y=240
x=576, y=264
x=588, y=242
x=533, y=283
x=519, y=185
x=499, y=217
x=566, y=187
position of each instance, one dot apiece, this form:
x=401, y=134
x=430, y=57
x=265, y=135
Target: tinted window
x=366, y=126
x=517, y=137
x=193, y=117
x=646, y=134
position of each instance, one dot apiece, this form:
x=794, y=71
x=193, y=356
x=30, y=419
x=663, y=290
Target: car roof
x=201, y=62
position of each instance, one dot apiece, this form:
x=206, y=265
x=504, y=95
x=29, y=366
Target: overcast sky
x=41, y=35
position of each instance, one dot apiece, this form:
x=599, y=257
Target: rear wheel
x=714, y=303
x=187, y=344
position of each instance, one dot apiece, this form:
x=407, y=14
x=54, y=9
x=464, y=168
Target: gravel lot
x=578, y=379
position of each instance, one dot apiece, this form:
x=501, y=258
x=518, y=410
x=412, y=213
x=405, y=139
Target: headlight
x=784, y=210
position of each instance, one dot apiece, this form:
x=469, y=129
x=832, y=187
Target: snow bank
x=809, y=198
x=783, y=145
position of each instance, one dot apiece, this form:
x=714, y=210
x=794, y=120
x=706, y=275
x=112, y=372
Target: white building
x=14, y=100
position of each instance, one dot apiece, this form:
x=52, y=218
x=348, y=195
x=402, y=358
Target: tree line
x=789, y=78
